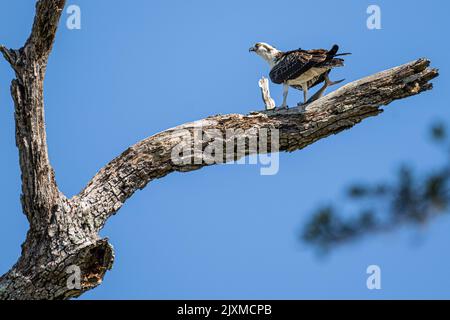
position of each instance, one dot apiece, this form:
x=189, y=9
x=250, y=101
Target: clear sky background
x=139, y=67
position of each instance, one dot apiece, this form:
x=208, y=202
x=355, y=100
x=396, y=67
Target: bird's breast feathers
x=312, y=73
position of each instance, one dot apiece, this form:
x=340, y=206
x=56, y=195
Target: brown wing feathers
x=294, y=63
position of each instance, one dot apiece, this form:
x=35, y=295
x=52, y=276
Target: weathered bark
x=265, y=93
x=64, y=232
x=57, y=237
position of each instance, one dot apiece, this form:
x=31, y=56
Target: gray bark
x=64, y=232
x=265, y=93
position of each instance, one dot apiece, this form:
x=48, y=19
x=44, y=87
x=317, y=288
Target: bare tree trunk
x=64, y=232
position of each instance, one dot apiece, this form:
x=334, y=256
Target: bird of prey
x=300, y=69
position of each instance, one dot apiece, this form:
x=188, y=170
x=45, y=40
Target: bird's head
x=265, y=51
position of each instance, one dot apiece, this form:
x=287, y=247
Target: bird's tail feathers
x=334, y=52
x=343, y=54
x=334, y=63
x=330, y=83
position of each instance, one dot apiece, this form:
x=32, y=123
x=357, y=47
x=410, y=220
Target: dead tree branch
x=265, y=93
x=64, y=232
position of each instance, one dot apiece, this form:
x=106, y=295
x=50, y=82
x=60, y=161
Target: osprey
x=300, y=69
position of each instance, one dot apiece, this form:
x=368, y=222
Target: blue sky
x=139, y=67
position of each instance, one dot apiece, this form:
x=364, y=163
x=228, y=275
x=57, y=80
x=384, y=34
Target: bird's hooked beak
x=252, y=49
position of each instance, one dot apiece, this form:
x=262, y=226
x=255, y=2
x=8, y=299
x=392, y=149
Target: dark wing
x=294, y=63
x=333, y=63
